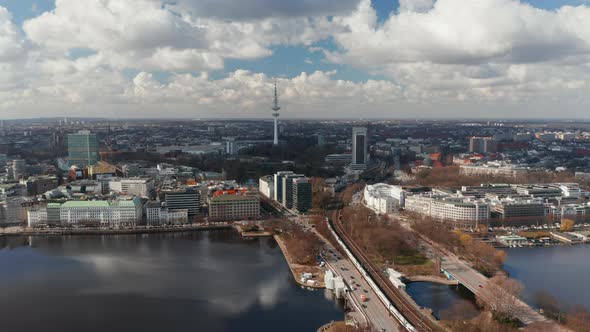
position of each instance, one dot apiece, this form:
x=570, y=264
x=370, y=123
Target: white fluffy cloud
x=440, y=58
x=11, y=43
x=485, y=48
x=150, y=35
x=415, y=5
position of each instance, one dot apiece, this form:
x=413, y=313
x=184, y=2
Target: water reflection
x=211, y=280
x=446, y=302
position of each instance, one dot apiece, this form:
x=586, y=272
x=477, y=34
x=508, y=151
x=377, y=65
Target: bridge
x=479, y=285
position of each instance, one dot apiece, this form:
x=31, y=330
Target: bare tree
x=501, y=296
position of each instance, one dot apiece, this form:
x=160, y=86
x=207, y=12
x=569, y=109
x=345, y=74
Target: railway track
x=402, y=304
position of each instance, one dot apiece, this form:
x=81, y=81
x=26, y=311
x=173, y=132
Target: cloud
x=149, y=35
x=439, y=58
x=11, y=43
x=415, y=5
x=485, y=49
x=260, y=9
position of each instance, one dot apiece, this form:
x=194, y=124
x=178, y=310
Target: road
x=374, y=310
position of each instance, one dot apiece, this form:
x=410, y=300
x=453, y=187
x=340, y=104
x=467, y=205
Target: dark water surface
x=442, y=298
x=562, y=271
x=203, y=281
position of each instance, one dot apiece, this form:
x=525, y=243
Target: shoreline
x=287, y=258
x=90, y=231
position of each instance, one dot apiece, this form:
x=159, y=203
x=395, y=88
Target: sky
x=349, y=59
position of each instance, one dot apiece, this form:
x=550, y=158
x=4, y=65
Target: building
x=383, y=198
x=183, y=198
x=40, y=184
x=234, y=207
x=506, y=171
x=539, y=190
x=461, y=212
x=336, y=158
x=37, y=216
x=488, y=188
x=302, y=194
x=266, y=186
x=143, y=187
x=359, y=147
x=16, y=169
x=156, y=214
x=515, y=208
x=83, y=149
x=13, y=210
x=483, y=145
x=101, y=213
x=287, y=188
x=278, y=185
x=570, y=190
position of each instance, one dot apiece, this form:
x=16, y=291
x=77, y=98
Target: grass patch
x=411, y=260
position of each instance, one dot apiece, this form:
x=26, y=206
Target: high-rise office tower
x=278, y=185
x=359, y=146
x=83, y=149
x=287, y=188
x=302, y=194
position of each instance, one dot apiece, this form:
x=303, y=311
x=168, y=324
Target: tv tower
x=275, y=114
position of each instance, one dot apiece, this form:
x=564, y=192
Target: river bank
x=298, y=269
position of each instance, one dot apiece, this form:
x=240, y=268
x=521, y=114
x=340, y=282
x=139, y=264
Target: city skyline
x=341, y=59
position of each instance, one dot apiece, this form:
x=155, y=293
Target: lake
x=200, y=281
x=562, y=271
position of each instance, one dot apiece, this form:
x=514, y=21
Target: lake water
x=562, y=271
x=202, y=281
x=441, y=298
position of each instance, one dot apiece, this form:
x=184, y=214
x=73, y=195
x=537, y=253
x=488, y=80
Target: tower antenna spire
x=275, y=114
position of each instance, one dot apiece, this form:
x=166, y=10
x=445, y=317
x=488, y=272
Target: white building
x=37, y=216
x=384, y=198
x=464, y=212
x=156, y=214
x=266, y=186
x=497, y=170
x=132, y=186
x=105, y=213
x=570, y=189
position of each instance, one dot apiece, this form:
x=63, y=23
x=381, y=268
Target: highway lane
x=376, y=312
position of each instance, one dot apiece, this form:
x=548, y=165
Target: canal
x=200, y=281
